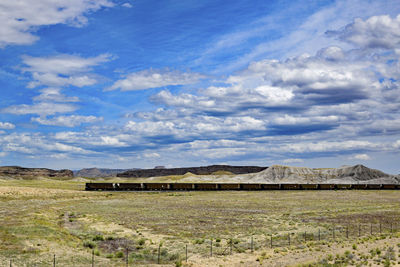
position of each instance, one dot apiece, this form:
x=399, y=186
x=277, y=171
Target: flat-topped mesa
x=20, y=172
x=204, y=170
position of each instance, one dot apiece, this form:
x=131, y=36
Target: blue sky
x=124, y=84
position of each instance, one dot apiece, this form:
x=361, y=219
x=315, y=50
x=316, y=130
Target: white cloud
x=62, y=70
x=111, y=141
x=293, y=161
x=54, y=95
x=3, y=154
x=151, y=155
x=360, y=157
x=153, y=79
x=42, y=108
x=67, y=121
x=375, y=32
x=128, y=5
x=20, y=19
x=6, y=125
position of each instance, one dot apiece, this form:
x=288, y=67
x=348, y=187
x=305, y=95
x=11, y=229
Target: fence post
x=211, y=248
x=186, y=253
x=371, y=228
x=359, y=230
x=333, y=232
x=252, y=244
x=380, y=228
x=288, y=238
x=271, y=241
x=54, y=260
x=305, y=236
x=159, y=253
x=127, y=257
x=391, y=227
x=92, y=257
x=347, y=232
x=231, y=245
x=319, y=234
x=10, y=263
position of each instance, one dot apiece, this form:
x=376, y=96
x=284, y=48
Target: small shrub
x=89, y=244
x=109, y=256
x=142, y=241
x=98, y=238
x=119, y=254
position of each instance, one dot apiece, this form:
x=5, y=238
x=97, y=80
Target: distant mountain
x=99, y=172
x=20, y=172
x=204, y=170
x=345, y=174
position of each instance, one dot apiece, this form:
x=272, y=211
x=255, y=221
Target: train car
x=181, y=186
x=156, y=186
x=388, y=186
x=100, y=186
x=270, y=186
x=228, y=186
x=326, y=186
x=250, y=186
x=397, y=186
x=205, y=186
x=290, y=186
x=359, y=186
x=130, y=186
x=343, y=186
x=309, y=186
x=374, y=186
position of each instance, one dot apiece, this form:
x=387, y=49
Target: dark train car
x=359, y=186
x=290, y=186
x=270, y=186
x=309, y=186
x=343, y=186
x=100, y=186
x=205, y=186
x=228, y=186
x=388, y=186
x=374, y=186
x=326, y=186
x=397, y=186
x=250, y=186
x=156, y=186
x=130, y=186
x=181, y=186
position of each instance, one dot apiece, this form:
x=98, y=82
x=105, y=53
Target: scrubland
x=43, y=218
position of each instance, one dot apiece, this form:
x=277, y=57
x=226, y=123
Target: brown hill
x=20, y=172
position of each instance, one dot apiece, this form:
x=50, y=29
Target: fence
x=162, y=254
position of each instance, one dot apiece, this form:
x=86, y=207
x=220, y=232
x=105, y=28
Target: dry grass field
x=43, y=218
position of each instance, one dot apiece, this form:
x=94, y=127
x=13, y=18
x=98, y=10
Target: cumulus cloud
x=36, y=143
x=62, y=70
x=20, y=19
x=54, y=95
x=41, y=108
x=67, y=121
x=360, y=157
x=288, y=161
x=374, y=32
x=153, y=79
x=6, y=125
x=128, y=5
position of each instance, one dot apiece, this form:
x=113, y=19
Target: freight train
x=231, y=186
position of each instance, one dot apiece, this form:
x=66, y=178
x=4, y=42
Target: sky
x=142, y=83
